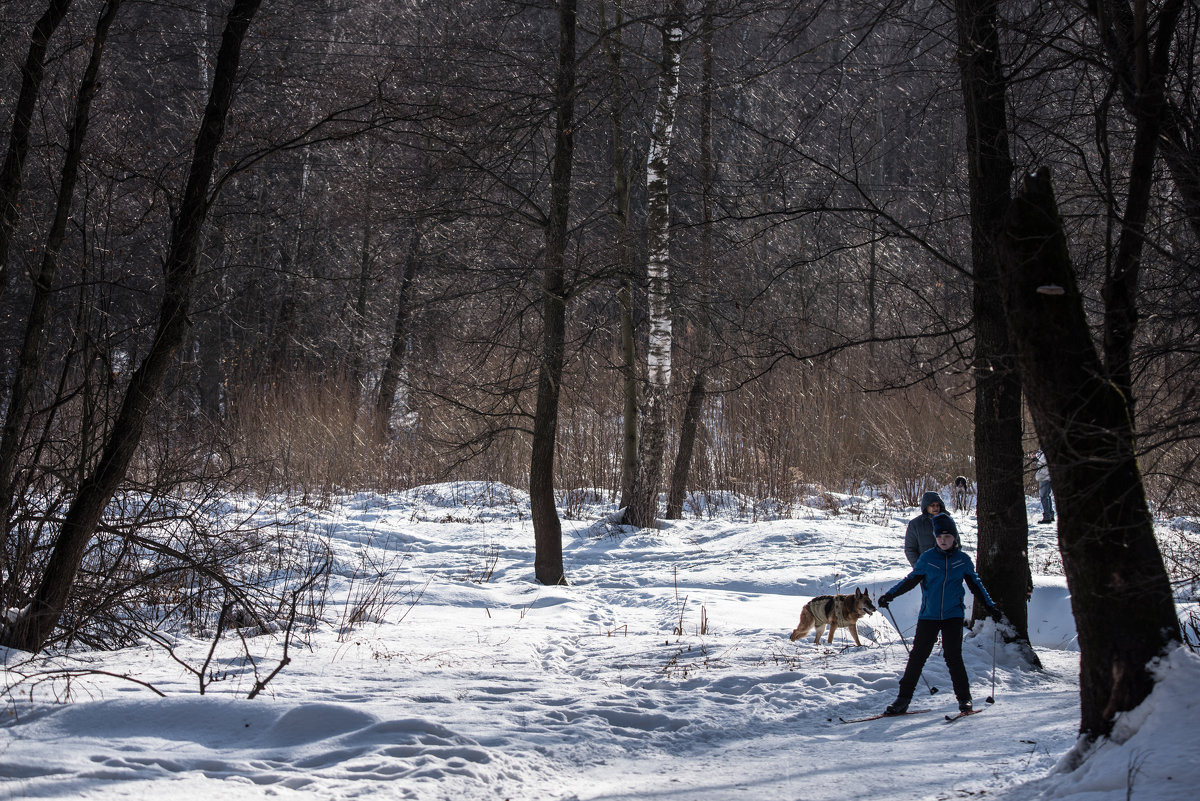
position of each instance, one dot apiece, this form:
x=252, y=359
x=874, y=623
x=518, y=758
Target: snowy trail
x=507, y=689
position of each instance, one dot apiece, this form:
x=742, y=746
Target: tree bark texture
x=547, y=528
x=13, y=172
x=1003, y=527
x=1120, y=594
x=35, y=624
x=643, y=506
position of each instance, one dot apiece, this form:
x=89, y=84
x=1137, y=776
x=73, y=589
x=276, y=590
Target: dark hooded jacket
x=941, y=575
x=918, y=537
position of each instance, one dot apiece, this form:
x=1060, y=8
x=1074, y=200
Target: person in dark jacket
x=918, y=537
x=940, y=571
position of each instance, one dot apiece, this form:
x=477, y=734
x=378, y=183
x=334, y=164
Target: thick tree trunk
x=547, y=528
x=643, y=505
x=1003, y=528
x=652, y=441
x=13, y=172
x=35, y=624
x=1120, y=594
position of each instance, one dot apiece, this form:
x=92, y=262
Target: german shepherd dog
x=962, y=493
x=836, y=610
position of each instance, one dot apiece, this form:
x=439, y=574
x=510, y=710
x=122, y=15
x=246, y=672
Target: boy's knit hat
x=944, y=523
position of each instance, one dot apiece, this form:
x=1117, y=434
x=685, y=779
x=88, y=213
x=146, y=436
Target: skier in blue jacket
x=940, y=571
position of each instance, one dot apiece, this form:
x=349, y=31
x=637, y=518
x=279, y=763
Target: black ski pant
x=951, y=630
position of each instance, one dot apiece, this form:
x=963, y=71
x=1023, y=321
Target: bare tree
x=643, y=504
x=698, y=391
x=389, y=381
x=1003, y=528
x=36, y=622
x=1140, y=43
x=547, y=529
x=1120, y=594
x=13, y=172
x=29, y=358
x=1145, y=65
x=612, y=41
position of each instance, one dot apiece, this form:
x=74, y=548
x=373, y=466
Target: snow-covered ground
x=466, y=679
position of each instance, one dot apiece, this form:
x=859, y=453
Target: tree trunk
x=643, y=505
x=1120, y=594
x=547, y=528
x=629, y=385
x=30, y=356
x=1121, y=284
x=1003, y=527
x=358, y=357
x=690, y=423
x=13, y=172
x=613, y=51
x=36, y=622
x=688, y=429
x=389, y=381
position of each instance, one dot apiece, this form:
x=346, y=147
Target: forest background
x=315, y=246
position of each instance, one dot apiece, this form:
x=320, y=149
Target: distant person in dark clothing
x=918, y=537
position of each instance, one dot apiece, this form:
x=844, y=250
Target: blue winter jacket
x=941, y=575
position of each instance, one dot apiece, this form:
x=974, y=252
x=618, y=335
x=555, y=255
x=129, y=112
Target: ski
x=884, y=715
x=950, y=718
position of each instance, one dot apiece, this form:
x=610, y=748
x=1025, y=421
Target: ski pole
x=932, y=690
x=991, y=699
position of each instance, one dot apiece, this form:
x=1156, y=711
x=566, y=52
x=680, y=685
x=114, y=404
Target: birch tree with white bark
x=643, y=504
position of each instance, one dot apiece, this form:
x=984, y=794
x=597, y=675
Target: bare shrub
x=1169, y=471
x=1180, y=546
x=761, y=445
x=307, y=437
x=766, y=442
x=374, y=588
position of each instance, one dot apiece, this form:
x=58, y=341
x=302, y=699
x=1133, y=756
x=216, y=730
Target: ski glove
x=884, y=600
x=994, y=612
